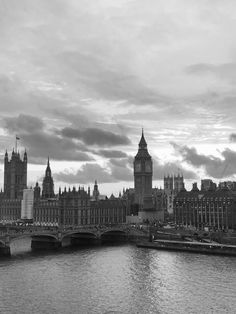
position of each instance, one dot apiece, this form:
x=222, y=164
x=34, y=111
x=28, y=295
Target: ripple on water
x=116, y=279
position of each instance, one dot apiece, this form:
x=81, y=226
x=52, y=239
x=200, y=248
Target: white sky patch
x=46, y=86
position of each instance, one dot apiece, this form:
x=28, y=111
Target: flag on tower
x=17, y=138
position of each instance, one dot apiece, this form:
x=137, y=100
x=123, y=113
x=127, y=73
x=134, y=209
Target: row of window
x=204, y=199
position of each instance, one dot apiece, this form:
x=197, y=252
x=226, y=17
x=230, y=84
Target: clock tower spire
x=142, y=174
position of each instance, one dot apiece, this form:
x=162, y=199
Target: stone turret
x=48, y=184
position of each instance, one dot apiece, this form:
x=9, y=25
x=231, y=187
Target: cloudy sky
x=80, y=78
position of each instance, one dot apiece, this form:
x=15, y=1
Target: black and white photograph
x=117, y=156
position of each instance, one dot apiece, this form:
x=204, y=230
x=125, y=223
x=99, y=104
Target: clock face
x=137, y=166
x=148, y=166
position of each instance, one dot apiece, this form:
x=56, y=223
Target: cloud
x=45, y=144
x=215, y=167
x=121, y=173
x=121, y=169
x=232, y=137
x=22, y=94
x=41, y=142
x=25, y=123
x=122, y=162
x=224, y=71
x=112, y=153
x=191, y=156
x=115, y=170
x=161, y=66
x=88, y=173
x=170, y=168
x=94, y=136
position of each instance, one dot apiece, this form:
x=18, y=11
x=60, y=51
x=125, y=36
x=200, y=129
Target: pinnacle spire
x=142, y=143
x=48, y=169
x=142, y=150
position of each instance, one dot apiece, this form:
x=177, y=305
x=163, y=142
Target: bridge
x=42, y=238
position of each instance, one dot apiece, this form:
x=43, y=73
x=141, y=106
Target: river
x=115, y=279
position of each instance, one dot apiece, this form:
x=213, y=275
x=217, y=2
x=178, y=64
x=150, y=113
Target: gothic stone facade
x=215, y=209
x=15, y=176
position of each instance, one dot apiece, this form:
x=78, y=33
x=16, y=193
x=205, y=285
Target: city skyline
x=81, y=94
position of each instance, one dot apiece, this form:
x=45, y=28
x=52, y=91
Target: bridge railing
x=18, y=231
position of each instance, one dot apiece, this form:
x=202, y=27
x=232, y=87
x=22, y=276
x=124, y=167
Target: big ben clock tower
x=142, y=174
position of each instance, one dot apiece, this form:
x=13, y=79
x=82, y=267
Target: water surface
x=115, y=279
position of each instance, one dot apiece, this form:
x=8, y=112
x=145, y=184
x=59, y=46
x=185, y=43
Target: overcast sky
x=80, y=78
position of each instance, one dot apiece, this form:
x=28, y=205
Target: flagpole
x=17, y=138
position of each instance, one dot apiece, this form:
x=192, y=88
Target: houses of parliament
x=209, y=206
x=80, y=206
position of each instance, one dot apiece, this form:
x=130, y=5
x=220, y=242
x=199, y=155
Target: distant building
x=77, y=208
x=10, y=210
x=169, y=191
x=207, y=184
x=95, y=191
x=15, y=181
x=109, y=211
x=37, y=191
x=207, y=208
x=231, y=185
x=159, y=200
x=74, y=207
x=48, y=184
x=27, y=204
x=172, y=186
x=15, y=175
x=47, y=211
x=178, y=183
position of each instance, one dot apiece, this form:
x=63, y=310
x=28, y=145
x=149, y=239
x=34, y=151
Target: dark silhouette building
x=37, y=191
x=146, y=204
x=95, y=191
x=172, y=186
x=208, y=184
x=48, y=185
x=15, y=175
x=74, y=207
x=143, y=174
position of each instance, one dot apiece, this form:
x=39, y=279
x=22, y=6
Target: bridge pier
x=5, y=247
x=5, y=251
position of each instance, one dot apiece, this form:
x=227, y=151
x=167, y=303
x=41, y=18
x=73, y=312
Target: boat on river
x=195, y=247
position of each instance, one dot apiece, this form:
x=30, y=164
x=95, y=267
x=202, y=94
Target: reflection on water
x=115, y=279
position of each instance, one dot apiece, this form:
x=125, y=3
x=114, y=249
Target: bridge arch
x=80, y=234
x=44, y=236
x=114, y=236
x=19, y=237
x=81, y=237
x=45, y=241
